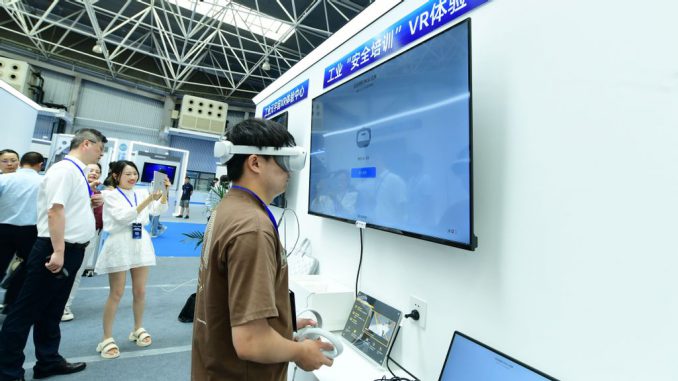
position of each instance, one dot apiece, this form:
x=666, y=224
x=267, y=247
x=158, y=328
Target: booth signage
x=419, y=23
x=286, y=100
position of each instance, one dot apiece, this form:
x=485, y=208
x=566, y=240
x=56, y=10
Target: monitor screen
x=371, y=327
x=280, y=118
x=470, y=360
x=150, y=168
x=280, y=201
x=392, y=147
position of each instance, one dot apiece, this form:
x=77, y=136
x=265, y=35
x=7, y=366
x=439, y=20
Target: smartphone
x=159, y=182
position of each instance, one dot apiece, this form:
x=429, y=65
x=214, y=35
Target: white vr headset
x=291, y=159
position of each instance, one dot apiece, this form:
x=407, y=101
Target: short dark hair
x=7, y=150
x=31, y=158
x=223, y=179
x=255, y=132
x=117, y=168
x=108, y=181
x=87, y=134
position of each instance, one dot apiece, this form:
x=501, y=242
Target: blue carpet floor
x=172, y=243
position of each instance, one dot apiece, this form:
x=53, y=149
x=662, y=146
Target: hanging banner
x=419, y=23
x=286, y=100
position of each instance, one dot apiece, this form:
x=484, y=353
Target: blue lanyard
x=270, y=215
x=128, y=201
x=89, y=190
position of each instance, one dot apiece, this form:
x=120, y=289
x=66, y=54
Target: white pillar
x=19, y=114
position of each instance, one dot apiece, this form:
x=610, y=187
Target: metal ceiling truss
x=176, y=49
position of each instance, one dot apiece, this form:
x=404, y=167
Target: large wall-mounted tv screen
x=150, y=168
x=392, y=147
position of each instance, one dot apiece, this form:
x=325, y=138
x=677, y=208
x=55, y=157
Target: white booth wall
x=18, y=114
x=575, y=113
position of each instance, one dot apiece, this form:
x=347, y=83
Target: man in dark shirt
x=186, y=192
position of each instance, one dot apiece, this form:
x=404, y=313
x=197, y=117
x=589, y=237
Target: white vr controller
x=315, y=333
x=291, y=158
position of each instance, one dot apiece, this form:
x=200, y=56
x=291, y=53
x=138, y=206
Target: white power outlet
x=421, y=306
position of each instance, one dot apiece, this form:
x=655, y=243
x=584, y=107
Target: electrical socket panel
x=421, y=306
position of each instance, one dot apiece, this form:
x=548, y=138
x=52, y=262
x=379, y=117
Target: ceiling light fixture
x=266, y=66
x=97, y=49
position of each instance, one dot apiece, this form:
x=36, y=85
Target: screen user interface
x=392, y=146
x=149, y=168
x=469, y=360
x=371, y=327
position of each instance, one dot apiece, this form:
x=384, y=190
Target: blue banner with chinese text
x=286, y=100
x=422, y=21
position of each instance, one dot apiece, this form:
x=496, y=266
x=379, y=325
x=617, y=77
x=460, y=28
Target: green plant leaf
x=198, y=236
x=221, y=191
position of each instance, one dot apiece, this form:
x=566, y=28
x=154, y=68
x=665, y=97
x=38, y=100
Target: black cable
x=388, y=357
x=281, y=217
x=296, y=241
x=388, y=366
x=394, y=378
x=360, y=262
x=401, y=367
x=280, y=220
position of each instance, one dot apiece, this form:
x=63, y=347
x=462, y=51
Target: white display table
x=351, y=365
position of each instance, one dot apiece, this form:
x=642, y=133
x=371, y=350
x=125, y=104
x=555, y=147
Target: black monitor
x=280, y=118
x=470, y=360
x=150, y=168
x=392, y=147
x=280, y=201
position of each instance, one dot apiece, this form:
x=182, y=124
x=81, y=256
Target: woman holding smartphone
x=128, y=247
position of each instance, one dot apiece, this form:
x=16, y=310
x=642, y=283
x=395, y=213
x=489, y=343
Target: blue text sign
x=422, y=21
x=286, y=100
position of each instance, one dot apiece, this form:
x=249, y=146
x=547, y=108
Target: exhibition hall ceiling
x=220, y=49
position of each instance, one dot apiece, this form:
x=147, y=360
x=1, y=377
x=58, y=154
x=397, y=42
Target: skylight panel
x=240, y=16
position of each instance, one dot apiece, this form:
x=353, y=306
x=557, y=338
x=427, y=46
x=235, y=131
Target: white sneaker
x=68, y=315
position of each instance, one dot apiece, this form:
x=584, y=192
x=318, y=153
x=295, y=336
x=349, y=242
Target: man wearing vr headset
x=243, y=326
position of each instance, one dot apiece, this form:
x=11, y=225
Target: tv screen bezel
x=473, y=244
x=489, y=348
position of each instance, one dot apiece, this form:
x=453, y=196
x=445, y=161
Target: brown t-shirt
x=243, y=277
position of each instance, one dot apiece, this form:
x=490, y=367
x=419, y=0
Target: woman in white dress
x=128, y=247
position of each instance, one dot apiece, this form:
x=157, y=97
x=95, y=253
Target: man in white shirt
x=65, y=226
x=18, y=214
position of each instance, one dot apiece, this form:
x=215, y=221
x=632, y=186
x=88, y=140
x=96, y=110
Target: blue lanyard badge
x=128, y=201
x=89, y=190
x=270, y=215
